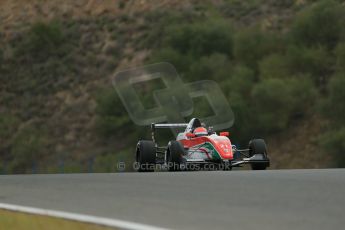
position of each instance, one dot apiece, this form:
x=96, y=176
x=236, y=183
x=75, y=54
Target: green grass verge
x=10, y=220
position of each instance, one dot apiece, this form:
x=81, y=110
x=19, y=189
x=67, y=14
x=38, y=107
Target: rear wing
x=165, y=126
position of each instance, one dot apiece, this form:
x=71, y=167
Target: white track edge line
x=80, y=217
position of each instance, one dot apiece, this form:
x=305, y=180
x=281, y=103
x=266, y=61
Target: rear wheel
x=146, y=156
x=258, y=146
x=174, y=156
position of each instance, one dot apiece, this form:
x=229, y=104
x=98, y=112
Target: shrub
x=201, y=38
x=316, y=62
x=321, y=24
x=333, y=142
x=112, y=116
x=303, y=93
x=26, y=149
x=215, y=67
x=43, y=40
x=244, y=126
x=340, y=53
x=1, y=57
x=159, y=21
x=252, y=44
x=272, y=103
x=44, y=34
x=277, y=101
x=334, y=106
x=179, y=61
x=274, y=66
x=122, y=4
x=241, y=82
x=8, y=124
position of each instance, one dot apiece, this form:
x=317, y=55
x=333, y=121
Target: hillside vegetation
x=281, y=65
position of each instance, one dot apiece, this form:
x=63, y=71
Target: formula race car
x=198, y=148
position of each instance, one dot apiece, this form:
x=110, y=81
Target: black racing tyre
x=174, y=156
x=258, y=146
x=146, y=156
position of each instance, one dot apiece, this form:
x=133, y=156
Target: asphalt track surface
x=283, y=199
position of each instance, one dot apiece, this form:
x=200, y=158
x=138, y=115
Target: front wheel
x=174, y=155
x=258, y=146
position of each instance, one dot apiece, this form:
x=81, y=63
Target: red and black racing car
x=199, y=148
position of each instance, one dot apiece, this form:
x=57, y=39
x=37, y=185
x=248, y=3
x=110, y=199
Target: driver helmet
x=200, y=131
